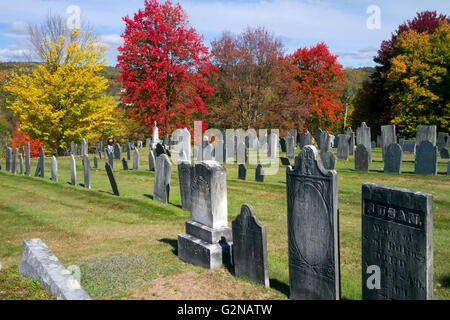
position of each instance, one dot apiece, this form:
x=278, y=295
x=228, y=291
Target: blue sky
x=341, y=23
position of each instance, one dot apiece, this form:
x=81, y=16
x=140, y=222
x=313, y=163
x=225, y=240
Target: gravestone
x=72, y=148
x=374, y=144
x=444, y=153
x=21, y=164
x=448, y=168
x=388, y=137
x=159, y=150
x=87, y=171
x=54, y=169
x=285, y=161
x=393, y=159
x=306, y=139
x=319, y=133
x=344, y=147
x=240, y=152
x=272, y=150
x=128, y=147
x=409, y=146
x=443, y=140
x=259, y=173
x=250, y=247
x=290, y=147
x=95, y=162
x=14, y=157
x=136, y=159
x=124, y=164
x=363, y=136
x=112, y=179
x=27, y=159
x=8, y=158
x=328, y=160
x=117, y=151
x=207, y=240
x=401, y=140
x=147, y=142
x=283, y=143
x=40, y=168
x=351, y=140
x=151, y=161
x=313, y=231
x=73, y=170
x=110, y=159
x=397, y=237
x=162, y=178
x=185, y=172
x=426, y=159
x=361, y=158
x=379, y=142
x=242, y=172
x=208, y=151
x=425, y=133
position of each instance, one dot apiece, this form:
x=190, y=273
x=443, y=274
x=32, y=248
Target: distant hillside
x=355, y=76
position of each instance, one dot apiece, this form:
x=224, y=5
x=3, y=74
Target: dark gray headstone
x=290, y=146
x=426, y=159
x=73, y=170
x=95, y=162
x=393, y=159
x=343, y=147
x=409, y=146
x=54, y=169
x=443, y=139
x=363, y=136
x=124, y=164
x=426, y=133
x=328, y=160
x=379, y=142
x=117, y=151
x=21, y=164
x=159, y=150
x=351, y=140
x=444, y=153
x=40, y=168
x=397, y=238
x=162, y=178
x=242, y=172
x=250, y=247
x=87, y=171
x=361, y=158
x=313, y=231
x=285, y=161
x=112, y=179
x=185, y=172
x=8, y=158
x=259, y=173
x=448, y=168
x=306, y=139
x=27, y=159
x=128, y=147
x=136, y=159
x=14, y=158
x=388, y=137
x=319, y=133
x=151, y=161
x=283, y=144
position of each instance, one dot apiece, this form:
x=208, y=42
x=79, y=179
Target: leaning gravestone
x=151, y=161
x=397, y=238
x=27, y=159
x=250, y=247
x=185, y=172
x=162, y=178
x=259, y=173
x=112, y=179
x=39, y=263
x=8, y=156
x=124, y=164
x=87, y=171
x=73, y=170
x=426, y=159
x=40, y=168
x=393, y=159
x=242, y=172
x=425, y=133
x=136, y=159
x=110, y=159
x=207, y=240
x=388, y=137
x=14, y=156
x=361, y=158
x=343, y=147
x=54, y=169
x=313, y=231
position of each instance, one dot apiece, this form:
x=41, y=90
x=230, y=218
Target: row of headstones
x=19, y=159
x=397, y=233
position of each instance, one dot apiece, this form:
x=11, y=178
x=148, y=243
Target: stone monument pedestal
x=205, y=246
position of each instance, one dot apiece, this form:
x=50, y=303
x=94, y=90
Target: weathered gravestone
x=393, y=159
x=444, y=153
x=185, y=172
x=242, y=172
x=306, y=139
x=425, y=133
x=27, y=159
x=388, y=137
x=290, y=146
x=8, y=158
x=207, y=240
x=73, y=170
x=21, y=164
x=95, y=162
x=110, y=159
x=117, y=151
x=312, y=204
x=259, y=173
x=443, y=140
x=87, y=171
x=112, y=179
x=40, y=168
x=14, y=156
x=250, y=247
x=54, y=169
x=426, y=159
x=319, y=133
x=159, y=150
x=343, y=147
x=448, y=168
x=162, y=178
x=283, y=144
x=363, y=136
x=151, y=161
x=361, y=158
x=285, y=161
x=124, y=164
x=327, y=157
x=136, y=159
x=409, y=146
x=128, y=147
x=351, y=141
x=397, y=239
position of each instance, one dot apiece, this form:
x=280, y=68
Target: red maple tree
x=165, y=67
x=19, y=139
x=320, y=81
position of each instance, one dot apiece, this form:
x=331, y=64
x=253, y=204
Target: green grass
x=125, y=242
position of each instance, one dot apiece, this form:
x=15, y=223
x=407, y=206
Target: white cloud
x=112, y=41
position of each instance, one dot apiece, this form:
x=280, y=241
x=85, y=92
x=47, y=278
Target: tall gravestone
x=351, y=140
x=136, y=159
x=363, y=136
x=27, y=159
x=426, y=133
x=162, y=178
x=110, y=159
x=343, y=147
x=185, y=172
x=250, y=247
x=21, y=164
x=259, y=173
x=8, y=158
x=326, y=155
x=319, y=133
x=283, y=143
x=128, y=147
x=426, y=159
x=313, y=231
x=361, y=158
x=40, y=168
x=207, y=240
x=87, y=171
x=14, y=157
x=393, y=159
x=388, y=137
x=397, y=239
x=151, y=161
x=73, y=170
x=290, y=146
x=242, y=172
x=117, y=151
x=54, y=169
x=112, y=179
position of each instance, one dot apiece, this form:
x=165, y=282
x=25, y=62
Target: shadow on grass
x=148, y=196
x=445, y=281
x=279, y=286
x=173, y=243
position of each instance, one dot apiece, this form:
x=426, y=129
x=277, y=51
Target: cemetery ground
x=126, y=247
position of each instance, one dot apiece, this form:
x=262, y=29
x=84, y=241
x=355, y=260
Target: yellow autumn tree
x=62, y=99
x=418, y=81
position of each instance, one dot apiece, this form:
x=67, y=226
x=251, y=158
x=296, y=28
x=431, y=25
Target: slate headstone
x=343, y=147
x=393, y=159
x=351, y=141
x=363, y=136
x=14, y=158
x=87, y=171
x=112, y=179
x=426, y=133
x=259, y=173
x=21, y=164
x=426, y=159
x=388, y=137
x=117, y=151
x=185, y=172
x=54, y=169
x=124, y=164
x=136, y=159
x=73, y=170
x=151, y=161
x=27, y=159
x=328, y=160
x=285, y=161
x=444, y=153
x=110, y=159
x=95, y=162
x=361, y=158
x=162, y=178
x=242, y=172
x=8, y=159
x=290, y=147
x=409, y=146
x=442, y=140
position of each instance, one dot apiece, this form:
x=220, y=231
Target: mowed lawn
x=126, y=247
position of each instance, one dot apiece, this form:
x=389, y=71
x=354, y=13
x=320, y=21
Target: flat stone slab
x=208, y=234
x=39, y=263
